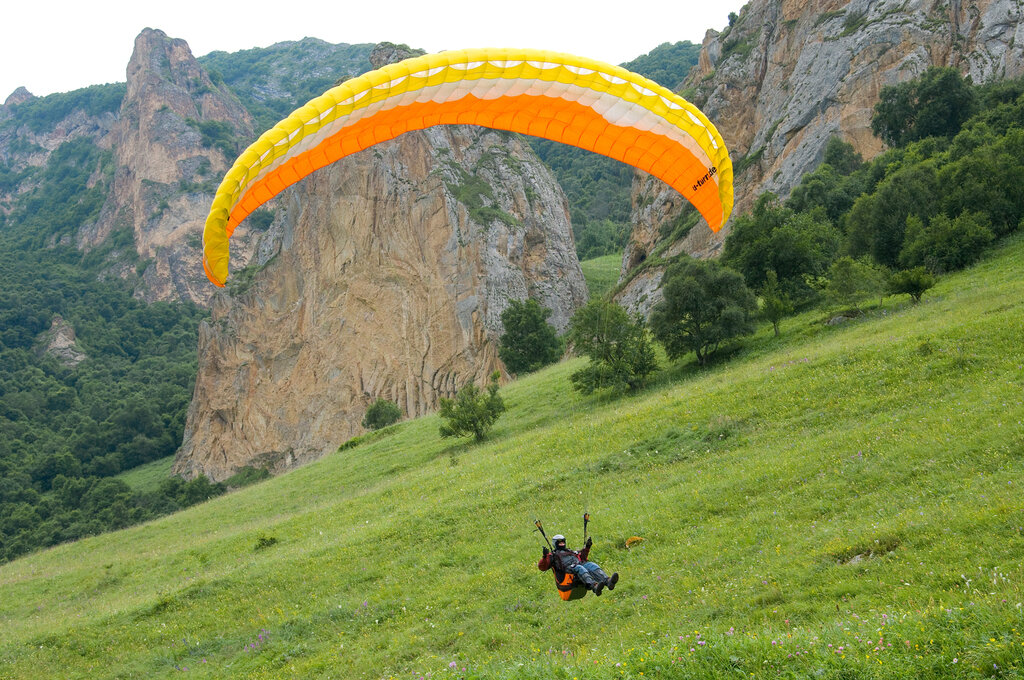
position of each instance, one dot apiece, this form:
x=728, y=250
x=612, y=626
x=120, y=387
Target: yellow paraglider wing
x=577, y=101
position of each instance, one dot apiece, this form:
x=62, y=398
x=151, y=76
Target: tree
x=935, y=105
x=472, y=411
x=913, y=282
x=620, y=351
x=381, y=414
x=945, y=245
x=775, y=305
x=876, y=225
x=775, y=238
x=705, y=305
x=529, y=341
x=850, y=281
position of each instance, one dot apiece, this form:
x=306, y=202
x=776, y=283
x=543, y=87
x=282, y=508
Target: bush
x=850, y=281
x=620, y=351
x=472, y=411
x=381, y=414
x=529, y=341
x=946, y=245
x=705, y=305
x=913, y=282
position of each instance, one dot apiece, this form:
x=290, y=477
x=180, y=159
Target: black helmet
x=559, y=541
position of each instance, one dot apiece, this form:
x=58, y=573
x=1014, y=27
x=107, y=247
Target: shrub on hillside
x=472, y=411
x=945, y=245
x=774, y=237
x=913, y=282
x=849, y=281
x=381, y=414
x=529, y=341
x=620, y=350
x=934, y=105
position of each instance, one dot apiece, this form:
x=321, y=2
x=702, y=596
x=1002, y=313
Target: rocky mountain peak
x=389, y=53
x=19, y=96
x=174, y=140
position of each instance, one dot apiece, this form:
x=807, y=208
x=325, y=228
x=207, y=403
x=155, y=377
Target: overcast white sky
x=56, y=45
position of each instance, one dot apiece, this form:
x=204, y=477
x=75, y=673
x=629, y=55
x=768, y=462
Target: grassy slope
x=146, y=478
x=601, y=273
x=820, y=496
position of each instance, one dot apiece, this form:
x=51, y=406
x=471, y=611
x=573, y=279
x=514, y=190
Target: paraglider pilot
x=570, y=561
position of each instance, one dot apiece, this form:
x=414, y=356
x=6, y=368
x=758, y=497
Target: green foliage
x=834, y=185
x=529, y=342
x=935, y=105
x=260, y=219
x=246, y=476
x=775, y=304
x=271, y=82
x=471, y=411
x=774, y=237
x=668, y=64
x=381, y=413
x=705, y=306
x=913, y=282
x=877, y=222
x=474, y=192
x=43, y=113
x=620, y=351
x=601, y=273
x=842, y=156
x=945, y=245
x=191, y=492
x=216, y=134
x=849, y=281
x=66, y=198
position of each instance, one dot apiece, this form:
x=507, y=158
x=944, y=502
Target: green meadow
x=601, y=273
x=840, y=502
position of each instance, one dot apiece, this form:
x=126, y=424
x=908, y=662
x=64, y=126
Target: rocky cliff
x=791, y=74
x=173, y=140
x=384, y=275
x=26, y=143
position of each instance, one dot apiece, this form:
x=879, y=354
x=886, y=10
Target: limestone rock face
x=19, y=96
x=170, y=150
x=383, y=275
x=791, y=74
x=60, y=342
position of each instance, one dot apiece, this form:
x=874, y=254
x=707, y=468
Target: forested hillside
x=116, y=398
x=271, y=82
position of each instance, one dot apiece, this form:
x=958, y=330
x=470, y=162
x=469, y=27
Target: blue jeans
x=590, y=573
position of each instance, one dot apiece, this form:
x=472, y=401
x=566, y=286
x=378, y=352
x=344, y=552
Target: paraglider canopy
x=569, y=99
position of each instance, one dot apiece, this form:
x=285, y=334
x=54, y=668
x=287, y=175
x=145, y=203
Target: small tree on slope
x=472, y=411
